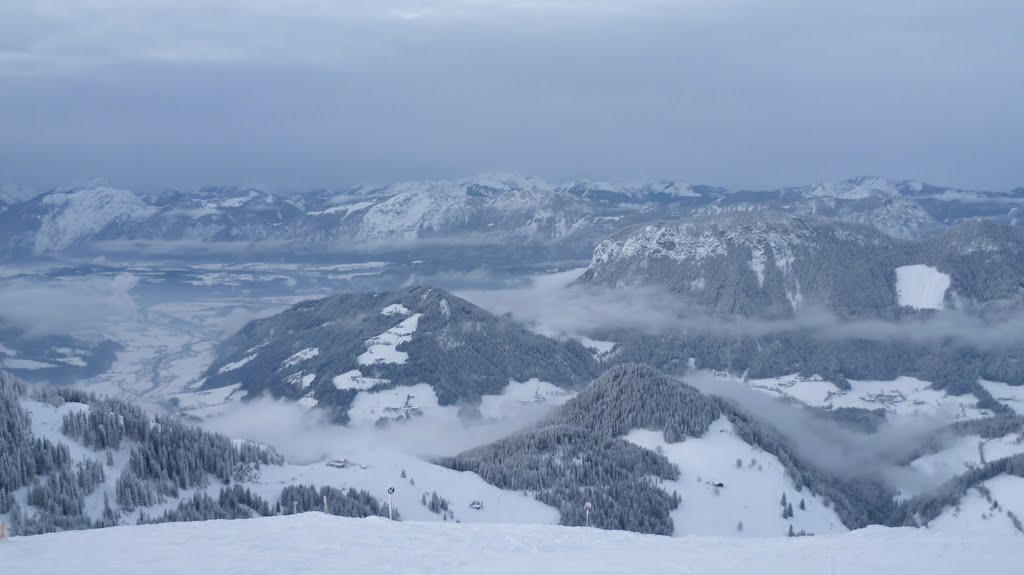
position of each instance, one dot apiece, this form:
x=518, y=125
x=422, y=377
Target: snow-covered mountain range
x=767, y=263
x=769, y=294
x=568, y=218
x=650, y=453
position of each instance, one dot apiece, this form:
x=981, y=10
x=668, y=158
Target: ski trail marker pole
x=391, y=492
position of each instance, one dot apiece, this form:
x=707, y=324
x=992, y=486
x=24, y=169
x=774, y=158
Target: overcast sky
x=301, y=93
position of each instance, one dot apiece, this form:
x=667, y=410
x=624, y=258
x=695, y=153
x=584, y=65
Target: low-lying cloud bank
x=305, y=436
x=190, y=249
x=66, y=305
x=828, y=445
x=555, y=306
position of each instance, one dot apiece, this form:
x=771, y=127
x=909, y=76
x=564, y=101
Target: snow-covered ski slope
x=314, y=543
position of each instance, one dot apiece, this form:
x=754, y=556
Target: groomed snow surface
x=921, y=287
x=315, y=543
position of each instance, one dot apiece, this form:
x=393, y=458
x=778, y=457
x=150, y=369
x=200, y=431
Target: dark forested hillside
x=430, y=336
x=43, y=488
x=848, y=299
x=578, y=454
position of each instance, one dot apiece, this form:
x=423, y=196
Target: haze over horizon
x=307, y=94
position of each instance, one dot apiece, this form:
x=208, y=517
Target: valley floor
x=317, y=543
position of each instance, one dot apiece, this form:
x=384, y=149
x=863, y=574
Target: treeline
x=858, y=502
x=955, y=369
x=986, y=428
x=565, y=466
x=576, y=455
x=23, y=458
x=238, y=502
x=923, y=509
x=166, y=456
x=57, y=488
x=351, y=503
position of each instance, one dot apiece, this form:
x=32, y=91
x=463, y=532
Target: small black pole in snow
x=391, y=492
x=586, y=509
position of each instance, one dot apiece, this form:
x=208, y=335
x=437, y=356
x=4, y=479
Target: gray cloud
x=554, y=306
x=303, y=436
x=67, y=305
x=743, y=93
x=831, y=447
x=199, y=248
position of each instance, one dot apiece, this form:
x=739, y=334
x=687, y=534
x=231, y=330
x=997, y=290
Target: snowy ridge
x=703, y=256
x=325, y=544
x=862, y=188
x=776, y=263
x=71, y=217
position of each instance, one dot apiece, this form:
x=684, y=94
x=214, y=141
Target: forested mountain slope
x=73, y=460
x=655, y=455
x=773, y=264
x=420, y=346
x=769, y=294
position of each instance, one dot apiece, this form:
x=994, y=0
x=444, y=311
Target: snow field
x=403, y=401
x=395, y=309
x=901, y=396
x=982, y=516
x=599, y=349
x=961, y=456
x=921, y=287
x=1010, y=395
x=375, y=468
x=315, y=543
x=300, y=357
x=517, y=394
x=751, y=492
x=383, y=348
x=356, y=380
x=210, y=402
x=237, y=364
